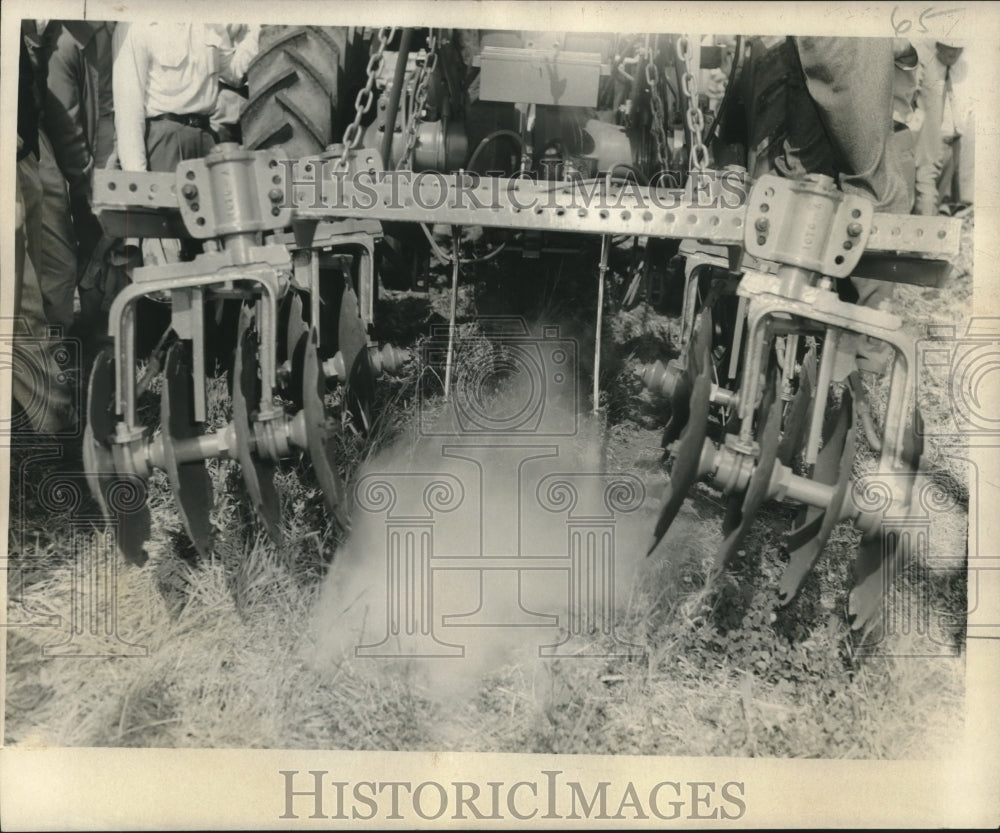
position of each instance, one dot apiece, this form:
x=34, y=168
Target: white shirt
x=172, y=68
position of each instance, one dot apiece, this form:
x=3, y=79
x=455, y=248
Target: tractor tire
x=298, y=90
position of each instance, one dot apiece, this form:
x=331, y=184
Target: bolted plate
x=833, y=467
x=318, y=432
x=258, y=474
x=189, y=481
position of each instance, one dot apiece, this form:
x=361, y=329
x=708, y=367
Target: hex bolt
x=762, y=224
x=854, y=229
x=189, y=191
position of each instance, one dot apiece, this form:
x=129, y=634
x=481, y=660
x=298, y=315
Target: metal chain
x=364, y=100
x=656, y=104
x=419, y=101
x=695, y=120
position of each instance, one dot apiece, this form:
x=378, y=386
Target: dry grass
x=231, y=644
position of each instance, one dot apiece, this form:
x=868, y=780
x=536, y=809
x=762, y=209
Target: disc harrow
x=762, y=398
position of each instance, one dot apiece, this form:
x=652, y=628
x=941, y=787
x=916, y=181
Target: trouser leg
x=57, y=267
x=38, y=384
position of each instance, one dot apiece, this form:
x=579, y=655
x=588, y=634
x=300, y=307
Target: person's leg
x=57, y=267
x=946, y=178
x=38, y=385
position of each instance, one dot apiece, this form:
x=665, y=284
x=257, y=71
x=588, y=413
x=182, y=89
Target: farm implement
x=763, y=399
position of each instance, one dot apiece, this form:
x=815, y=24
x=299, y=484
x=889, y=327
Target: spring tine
x=189, y=481
x=833, y=466
x=258, y=474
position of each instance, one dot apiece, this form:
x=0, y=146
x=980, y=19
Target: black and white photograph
x=448, y=414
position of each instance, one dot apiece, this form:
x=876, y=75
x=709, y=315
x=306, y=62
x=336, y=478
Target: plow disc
x=319, y=432
x=99, y=460
x=189, y=480
x=881, y=553
x=737, y=524
x=296, y=333
x=814, y=525
x=797, y=414
x=258, y=473
x=352, y=342
x=686, y=469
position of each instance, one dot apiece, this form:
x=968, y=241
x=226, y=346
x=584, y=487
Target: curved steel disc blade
x=98, y=461
x=880, y=550
x=875, y=551
x=258, y=475
x=798, y=414
x=189, y=481
x=296, y=331
x=698, y=358
x=685, y=471
x=318, y=433
x=133, y=527
x=833, y=467
x=352, y=342
x=679, y=409
x=760, y=479
x=700, y=355
x=733, y=513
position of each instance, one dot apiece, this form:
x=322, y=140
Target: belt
x=198, y=120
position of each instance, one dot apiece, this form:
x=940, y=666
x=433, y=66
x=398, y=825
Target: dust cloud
x=475, y=547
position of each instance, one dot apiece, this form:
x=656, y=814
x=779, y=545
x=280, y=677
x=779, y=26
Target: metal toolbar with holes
x=273, y=192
